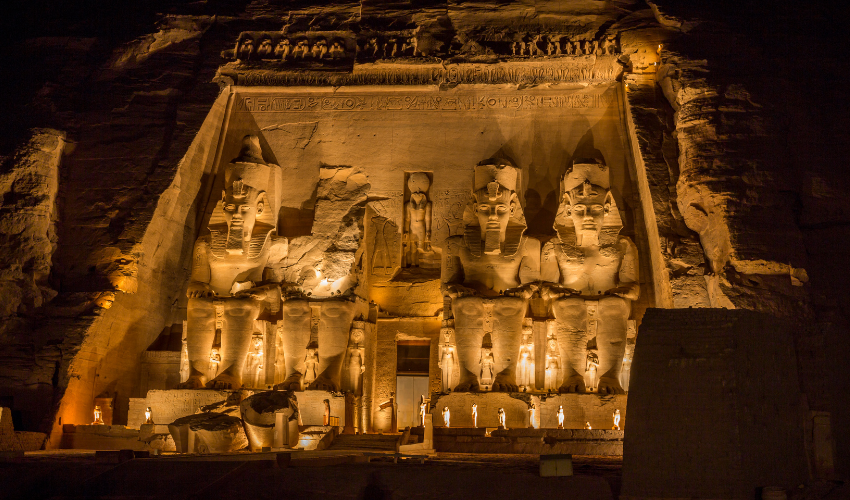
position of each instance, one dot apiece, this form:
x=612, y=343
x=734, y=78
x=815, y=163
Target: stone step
x=383, y=442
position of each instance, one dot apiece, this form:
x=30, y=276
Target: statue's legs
x=611, y=342
x=239, y=316
x=200, y=333
x=508, y=313
x=469, y=332
x=571, y=334
x=334, y=330
x=295, y=331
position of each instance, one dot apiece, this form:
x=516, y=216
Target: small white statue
x=474, y=415
x=447, y=415
x=98, y=416
x=148, y=413
x=587, y=426
x=502, y=418
x=616, y=420
x=560, y=417
x=532, y=416
x=327, y=411
x=423, y=406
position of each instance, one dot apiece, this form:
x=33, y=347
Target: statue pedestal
x=167, y=406
x=578, y=409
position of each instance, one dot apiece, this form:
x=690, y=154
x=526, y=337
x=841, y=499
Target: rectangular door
x=409, y=391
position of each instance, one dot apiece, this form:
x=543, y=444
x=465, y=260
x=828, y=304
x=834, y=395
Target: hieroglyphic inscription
x=517, y=101
x=587, y=69
x=448, y=212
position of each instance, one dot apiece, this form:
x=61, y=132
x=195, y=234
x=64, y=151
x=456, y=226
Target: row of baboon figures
x=586, y=277
x=259, y=47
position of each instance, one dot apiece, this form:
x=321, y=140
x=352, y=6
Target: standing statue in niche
x=525, y=379
x=227, y=264
x=447, y=416
x=311, y=366
x=487, y=275
x=553, y=365
x=593, y=271
x=474, y=415
x=502, y=420
x=254, y=364
x=487, y=366
x=356, y=365
x=215, y=361
x=616, y=420
x=532, y=416
x=448, y=359
x=560, y=417
x=279, y=360
x=417, y=223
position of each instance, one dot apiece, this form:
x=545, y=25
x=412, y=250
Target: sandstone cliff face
x=99, y=212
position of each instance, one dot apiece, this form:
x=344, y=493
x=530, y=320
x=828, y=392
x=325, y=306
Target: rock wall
x=734, y=128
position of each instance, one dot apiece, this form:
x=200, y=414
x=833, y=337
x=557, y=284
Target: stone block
x=715, y=407
x=556, y=465
x=102, y=437
x=311, y=407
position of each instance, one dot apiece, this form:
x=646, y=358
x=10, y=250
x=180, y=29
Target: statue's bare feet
x=193, y=382
x=224, y=381
x=292, y=383
x=573, y=384
x=609, y=385
x=505, y=383
x=468, y=385
x=323, y=383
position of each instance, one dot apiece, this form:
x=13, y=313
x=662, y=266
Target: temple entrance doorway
x=411, y=380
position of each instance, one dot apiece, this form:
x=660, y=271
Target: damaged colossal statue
x=316, y=365
x=486, y=277
x=226, y=294
x=592, y=278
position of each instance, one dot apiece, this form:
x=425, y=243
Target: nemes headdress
x=246, y=171
x=496, y=175
x=586, y=177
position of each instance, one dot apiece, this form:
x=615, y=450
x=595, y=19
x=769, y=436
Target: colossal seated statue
x=592, y=276
x=486, y=274
x=227, y=266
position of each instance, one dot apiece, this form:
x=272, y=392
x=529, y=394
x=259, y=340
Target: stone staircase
x=366, y=442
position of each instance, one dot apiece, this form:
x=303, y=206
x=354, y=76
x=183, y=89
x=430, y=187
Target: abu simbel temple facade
x=468, y=227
